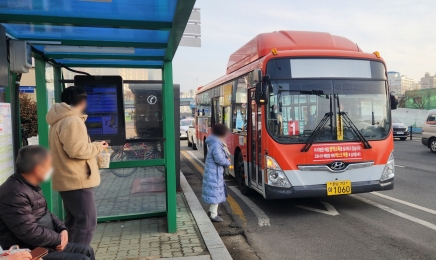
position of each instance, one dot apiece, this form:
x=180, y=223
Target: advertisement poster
x=337, y=152
x=239, y=120
x=6, y=146
x=227, y=95
x=202, y=125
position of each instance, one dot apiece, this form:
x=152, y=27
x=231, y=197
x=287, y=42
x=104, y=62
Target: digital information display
x=105, y=108
x=102, y=110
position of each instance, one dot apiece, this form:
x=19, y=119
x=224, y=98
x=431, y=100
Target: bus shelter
x=139, y=34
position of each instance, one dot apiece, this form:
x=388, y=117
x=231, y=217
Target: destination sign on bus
x=348, y=151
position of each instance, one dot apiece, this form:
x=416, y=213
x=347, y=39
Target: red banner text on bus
x=335, y=152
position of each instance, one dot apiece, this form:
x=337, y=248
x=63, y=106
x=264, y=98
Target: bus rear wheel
x=240, y=176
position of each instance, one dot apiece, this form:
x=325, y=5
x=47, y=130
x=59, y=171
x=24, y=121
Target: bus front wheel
x=240, y=176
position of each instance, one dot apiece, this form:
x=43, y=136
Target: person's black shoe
x=220, y=213
x=216, y=219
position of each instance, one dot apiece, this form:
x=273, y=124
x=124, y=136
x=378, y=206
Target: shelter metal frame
x=147, y=56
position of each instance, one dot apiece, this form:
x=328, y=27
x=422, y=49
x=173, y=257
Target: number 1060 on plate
x=338, y=187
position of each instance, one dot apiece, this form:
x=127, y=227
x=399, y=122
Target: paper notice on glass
x=6, y=146
x=239, y=120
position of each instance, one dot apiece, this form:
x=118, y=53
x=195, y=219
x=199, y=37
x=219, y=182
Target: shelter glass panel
x=161, y=11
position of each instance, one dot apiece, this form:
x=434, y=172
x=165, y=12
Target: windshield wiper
x=353, y=127
x=356, y=131
x=315, y=132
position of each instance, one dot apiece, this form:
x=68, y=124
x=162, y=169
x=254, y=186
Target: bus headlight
x=276, y=176
x=389, y=171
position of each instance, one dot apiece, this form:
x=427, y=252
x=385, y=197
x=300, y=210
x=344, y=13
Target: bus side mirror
x=394, y=101
x=261, y=98
x=257, y=76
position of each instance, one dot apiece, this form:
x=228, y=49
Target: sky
x=403, y=31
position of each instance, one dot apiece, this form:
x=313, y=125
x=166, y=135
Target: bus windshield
x=297, y=106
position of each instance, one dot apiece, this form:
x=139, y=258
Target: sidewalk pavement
x=144, y=239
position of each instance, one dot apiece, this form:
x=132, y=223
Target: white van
x=429, y=131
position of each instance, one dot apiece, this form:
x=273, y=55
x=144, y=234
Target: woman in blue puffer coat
x=217, y=159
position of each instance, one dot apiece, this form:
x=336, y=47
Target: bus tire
x=204, y=151
x=240, y=176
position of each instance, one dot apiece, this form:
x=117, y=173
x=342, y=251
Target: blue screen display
x=102, y=110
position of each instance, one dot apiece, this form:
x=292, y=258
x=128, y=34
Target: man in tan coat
x=75, y=167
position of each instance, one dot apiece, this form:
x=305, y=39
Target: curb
x=214, y=244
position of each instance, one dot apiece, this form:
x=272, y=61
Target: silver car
x=429, y=131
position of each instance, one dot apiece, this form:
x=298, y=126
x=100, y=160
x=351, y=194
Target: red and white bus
x=310, y=116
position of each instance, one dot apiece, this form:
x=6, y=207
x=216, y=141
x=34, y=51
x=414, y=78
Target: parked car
x=400, y=130
x=184, y=125
x=192, y=137
x=429, y=131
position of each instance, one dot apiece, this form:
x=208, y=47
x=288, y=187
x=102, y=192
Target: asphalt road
x=397, y=224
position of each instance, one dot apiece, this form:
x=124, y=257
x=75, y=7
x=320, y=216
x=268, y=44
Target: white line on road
x=396, y=212
x=330, y=209
x=401, y=166
x=262, y=218
x=405, y=203
x=195, y=157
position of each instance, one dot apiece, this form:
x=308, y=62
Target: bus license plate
x=338, y=187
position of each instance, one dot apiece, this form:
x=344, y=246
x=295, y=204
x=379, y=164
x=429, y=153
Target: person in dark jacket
x=24, y=218
x=217, y=158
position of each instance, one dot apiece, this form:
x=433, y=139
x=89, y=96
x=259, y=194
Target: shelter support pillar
x=169, y=151
x=13, y=97
x=58, y=206
x=57, y=75
x=42, y=109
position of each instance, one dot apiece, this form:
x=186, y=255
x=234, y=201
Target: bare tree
x=128, y=95
x=418, y=99
x=403, y=99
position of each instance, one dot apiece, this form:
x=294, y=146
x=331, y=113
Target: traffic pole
x=411, y=131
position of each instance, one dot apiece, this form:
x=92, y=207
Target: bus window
x=306, y=102
x=227, y=116
x=217, y=116
x=240, y=105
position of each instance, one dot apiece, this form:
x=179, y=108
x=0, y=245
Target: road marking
x=331, y=211
x=401, y=166
x=262, y=218
x=198, y=167
x=233, y=204
x=395, y=212
x=195, y=157
x=405, y=203
x=236, y=209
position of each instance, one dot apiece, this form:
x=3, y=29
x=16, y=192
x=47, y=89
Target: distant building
x=187, y=97
x=428, y=81
x=187, y=94
x=400, y=83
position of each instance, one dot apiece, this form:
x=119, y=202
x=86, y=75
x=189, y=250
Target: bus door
x=254, y=141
